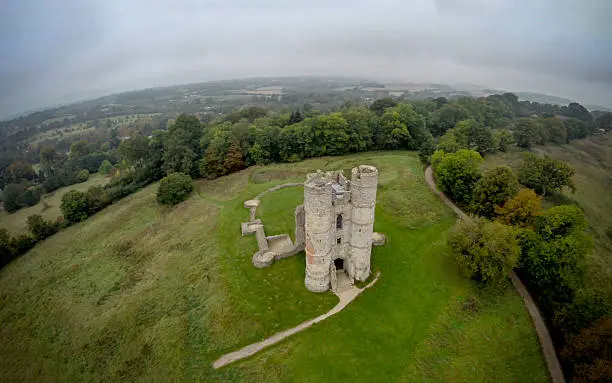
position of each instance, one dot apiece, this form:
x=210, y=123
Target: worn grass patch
x=144, y=293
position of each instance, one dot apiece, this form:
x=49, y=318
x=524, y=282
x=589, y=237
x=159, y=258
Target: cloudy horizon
x=55, y=53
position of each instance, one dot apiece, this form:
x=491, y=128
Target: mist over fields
x=55, y=53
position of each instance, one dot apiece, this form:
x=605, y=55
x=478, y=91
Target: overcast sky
x=55, y=51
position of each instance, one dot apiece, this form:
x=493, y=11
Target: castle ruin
x=334, y=227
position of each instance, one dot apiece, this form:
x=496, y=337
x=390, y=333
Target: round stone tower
x=364, y=181
x=319, y=220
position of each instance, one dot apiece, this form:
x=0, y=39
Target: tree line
x=547, y=248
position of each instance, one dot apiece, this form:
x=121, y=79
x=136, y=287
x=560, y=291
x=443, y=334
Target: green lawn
x=592, y=159
x=139, y=292
x=48, y=207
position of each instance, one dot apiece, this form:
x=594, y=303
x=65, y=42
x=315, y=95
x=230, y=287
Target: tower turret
x=319, y=223
x=364, y=181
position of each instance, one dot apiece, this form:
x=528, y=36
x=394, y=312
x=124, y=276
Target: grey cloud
x=56, y=52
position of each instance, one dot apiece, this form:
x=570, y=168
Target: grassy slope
x=592, y=159
x=16, y=222
x=141, y=293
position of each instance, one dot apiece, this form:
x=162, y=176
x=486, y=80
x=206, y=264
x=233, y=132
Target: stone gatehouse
x=334, y=227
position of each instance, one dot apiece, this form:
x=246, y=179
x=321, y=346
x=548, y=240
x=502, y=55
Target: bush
x=40, y=228
x=486, y=251
x=81, y=176
x=105, y=168
x=22, y=243
x=590, y=353
x=174, y=188
x=11, y=197
x=6, y=252
x=75, y=206
x=521, y=210
x=97, y=199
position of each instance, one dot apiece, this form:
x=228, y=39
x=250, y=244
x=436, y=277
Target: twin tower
x=339, y=220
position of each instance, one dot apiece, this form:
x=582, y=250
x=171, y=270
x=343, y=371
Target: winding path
x=548, y=349
x=346, y=295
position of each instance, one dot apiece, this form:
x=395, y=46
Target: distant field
x=141, y=292
x=592, y=159
x=16, y=222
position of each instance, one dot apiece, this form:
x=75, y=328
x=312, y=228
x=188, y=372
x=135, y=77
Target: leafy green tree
x=234, y=160
x=486, y=251
x=114, y=138
x=544, y=174
x=526, y=133
x=361, y=125
x=80, y=148
x=604, y=122
x=576, y=129
x=555, y=130
x=19, y=171
x=50, y=160
x=182, y=145
x=427, y=149
x=577, y=111
x=392, y=133
x=379, y=106
x=457, y=173
x=174, y=188
x=560, y=221
x=105, y=168
x=134, y=150
x=451, y=142
x=522, y=210
x=493, y=189
x=75, y=206
x=475, y=136
x=40, y=228
x=11, y=196
x=447, y=117
x=503, y=139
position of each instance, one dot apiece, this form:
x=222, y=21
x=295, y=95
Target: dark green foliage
x=174, y=188
x=457, y=173
x=590, y=353
x=75, y=206
x=447, y=117
x=560, y=221
x=503, y=139
x=587, y=307
x=182, y=146
x=40, y=228
x=576, y=129
x=16, y=196
x=486, y=251
x=426, y=150
x=81, y=176
x=526, y=133
x=553, y=130
x=604, y=122
x=21, y=243
x=6, y=253
x=105, y=167
x=496, y=186
x=544, y=174
x=379, y=106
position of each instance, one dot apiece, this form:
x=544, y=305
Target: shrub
x=105, y=168
x=81, y=176
x=174, y=188
x=40, y=228
x=97, y=199
x=30, y=196
x=22, y=243
x=75, y=206
x=590, y=353
x=6, y=252
x=486, y=251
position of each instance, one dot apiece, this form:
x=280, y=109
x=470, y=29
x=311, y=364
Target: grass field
x=48, y=206
x=592, y=159
x=139, y=292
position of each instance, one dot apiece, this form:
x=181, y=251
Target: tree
x=80, y=148
x=457, y=173
x=495, y=187
x=114, y=138
x=502, y=139
x=544, y=174
x=526, y=133
x=475, y=136
x=40, y=228
x=134, y=150
x=105, y=168
x=426, y=150
x=379, y=106
x=555, y=131
x=604, y=122
x=486, y=251
x=49, y=160
x=11, y=196
x=590, y=353
x=74, y=206
x=174, y=188
x=19, y=171
x=234, y=160
x=447, y=117
x=522, y=210
x=560, y=221
x=182, y=145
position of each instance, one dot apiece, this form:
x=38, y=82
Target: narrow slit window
x=339, y=240
x=338, y=221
